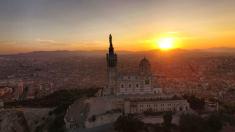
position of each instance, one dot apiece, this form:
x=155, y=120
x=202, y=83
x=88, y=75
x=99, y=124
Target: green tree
x=158, y=128
x=167, y=117
x=128, y=123
x=167, y=125
x=195, y=102
x=195, y=123
x=228, y=108
x=191, y=123
x=213, y=123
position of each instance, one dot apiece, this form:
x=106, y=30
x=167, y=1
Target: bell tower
x=111, y=58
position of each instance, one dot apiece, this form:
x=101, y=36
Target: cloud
x=50, y=42
x=46, y=41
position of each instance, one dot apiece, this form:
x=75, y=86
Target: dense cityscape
x=38, y=75
x=74, y=70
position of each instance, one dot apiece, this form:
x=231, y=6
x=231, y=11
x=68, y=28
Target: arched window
x=147, y=82
x=181, y=109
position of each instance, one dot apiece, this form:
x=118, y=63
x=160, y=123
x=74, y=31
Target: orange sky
x=135, y=25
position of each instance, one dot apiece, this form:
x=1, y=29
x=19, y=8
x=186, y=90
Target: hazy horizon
x=213, y=49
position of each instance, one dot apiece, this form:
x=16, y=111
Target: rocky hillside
x=13, y=121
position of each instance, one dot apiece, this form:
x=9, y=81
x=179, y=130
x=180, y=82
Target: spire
x=110, y=44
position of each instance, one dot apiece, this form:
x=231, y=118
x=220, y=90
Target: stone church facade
x=138, y=83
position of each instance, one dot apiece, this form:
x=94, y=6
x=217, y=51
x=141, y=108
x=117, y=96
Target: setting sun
x=166, y=43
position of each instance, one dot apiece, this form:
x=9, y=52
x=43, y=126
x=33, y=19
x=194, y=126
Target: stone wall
x=99, y=120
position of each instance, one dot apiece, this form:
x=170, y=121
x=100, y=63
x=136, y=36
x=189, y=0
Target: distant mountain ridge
x=67, y=53
x=221, y=49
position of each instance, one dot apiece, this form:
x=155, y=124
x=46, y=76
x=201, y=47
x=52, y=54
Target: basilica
x=124, y=94
x=138, y=83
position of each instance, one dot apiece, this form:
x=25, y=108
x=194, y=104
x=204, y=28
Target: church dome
x=144, y=66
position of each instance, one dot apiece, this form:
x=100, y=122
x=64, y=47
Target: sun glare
x=166, y=43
